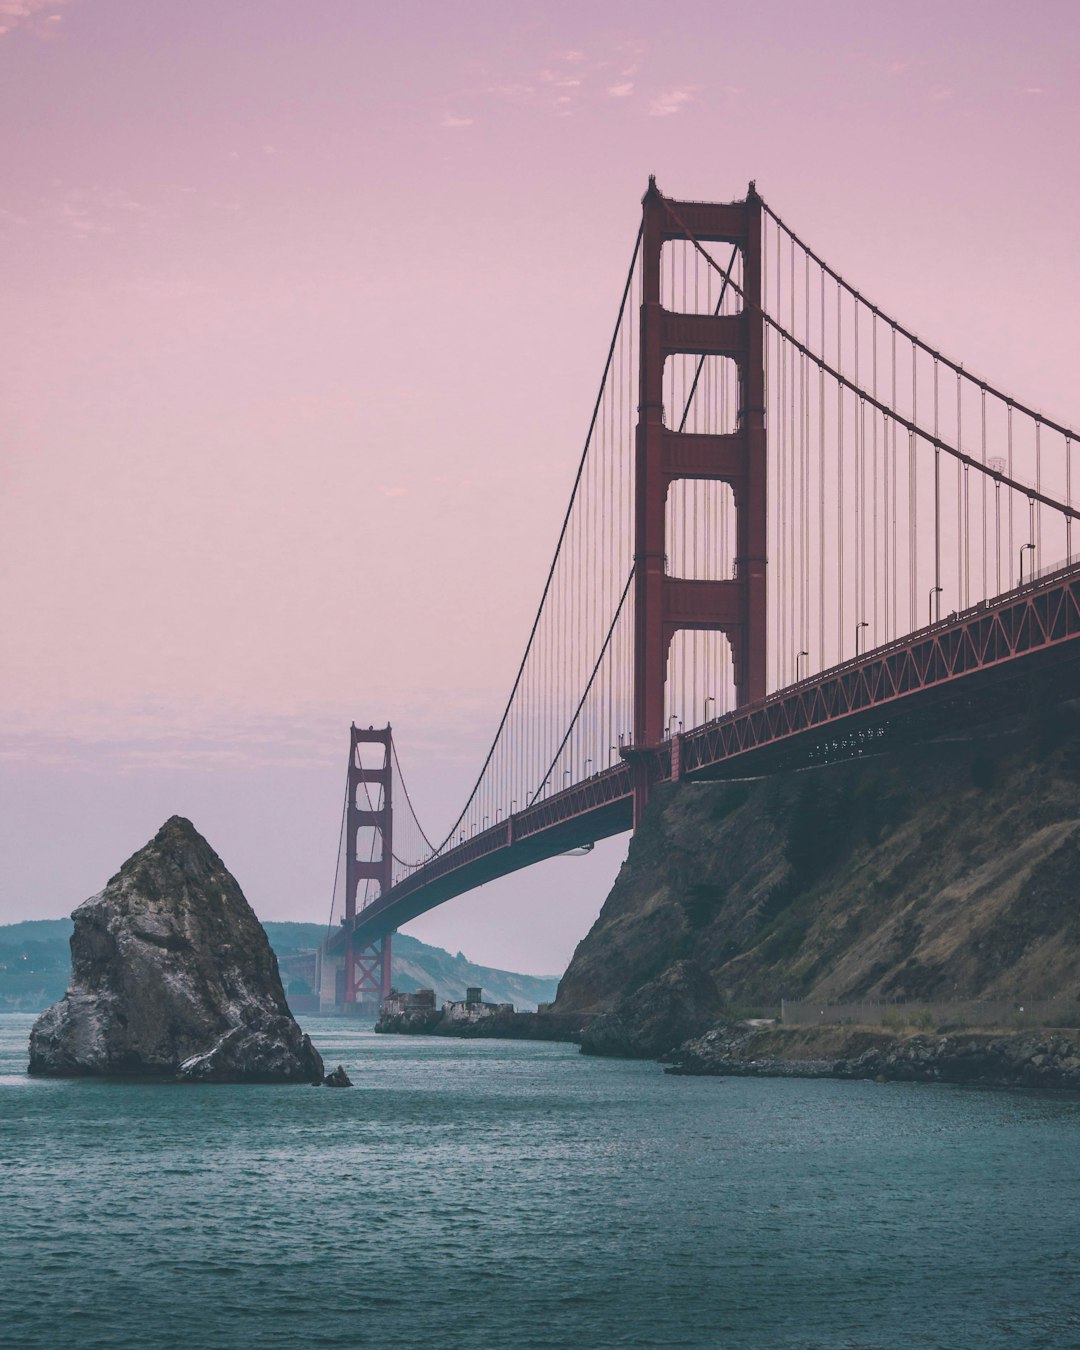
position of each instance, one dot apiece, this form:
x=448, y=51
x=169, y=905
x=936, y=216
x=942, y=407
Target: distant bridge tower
x=367, y=964
x=664, y=604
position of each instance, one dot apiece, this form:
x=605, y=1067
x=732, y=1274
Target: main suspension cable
x=337, y=868
x=588, y=686
x=911, y=337
x=1032, y=494
x=558, y=549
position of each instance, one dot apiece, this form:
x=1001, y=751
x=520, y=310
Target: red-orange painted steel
x=367, y=961
x=964, y=668
x=665, y=604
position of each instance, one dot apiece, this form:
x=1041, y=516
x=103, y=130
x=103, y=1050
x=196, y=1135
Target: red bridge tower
x=367, y=965
x=663, y=603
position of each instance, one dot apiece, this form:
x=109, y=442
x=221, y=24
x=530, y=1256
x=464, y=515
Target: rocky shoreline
x=1048, y=1059
x=1039, y=1059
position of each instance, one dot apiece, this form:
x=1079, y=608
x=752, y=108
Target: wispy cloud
x=454, y=123
x=671, y=102
x=559, y=79
x=513, y=89
x=131, y=738
x=39, y=16
x=98, y=211
x=569, y=79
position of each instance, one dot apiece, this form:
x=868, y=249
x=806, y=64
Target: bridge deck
x=959, y=672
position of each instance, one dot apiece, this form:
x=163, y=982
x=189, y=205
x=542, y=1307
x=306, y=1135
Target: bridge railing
x=977, y=638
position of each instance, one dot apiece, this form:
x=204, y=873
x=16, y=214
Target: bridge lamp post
x=934, y=590
x=705, y=707
x=1022, y=552
x=858, y=628
x=587, y=763
x=799, y=656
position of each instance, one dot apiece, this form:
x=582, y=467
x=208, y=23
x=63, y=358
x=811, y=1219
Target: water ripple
x=470, y=1194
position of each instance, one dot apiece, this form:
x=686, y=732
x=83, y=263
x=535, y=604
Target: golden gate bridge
x=797, y=532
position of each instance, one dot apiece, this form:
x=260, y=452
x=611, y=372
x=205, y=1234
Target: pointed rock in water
x=172, y=975
x=337, y=1078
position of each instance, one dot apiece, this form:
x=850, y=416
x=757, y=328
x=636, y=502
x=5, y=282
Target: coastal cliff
x=940, y=872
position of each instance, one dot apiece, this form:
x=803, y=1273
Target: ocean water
x=508, y=1194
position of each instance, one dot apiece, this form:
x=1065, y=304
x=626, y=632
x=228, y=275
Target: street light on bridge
x=1022, y=552
x=934, y=590
x=858, y=627
x=705, y=707
x=798, y=657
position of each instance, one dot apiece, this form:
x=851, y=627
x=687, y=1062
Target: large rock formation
x=941, y=871
x=172, y=975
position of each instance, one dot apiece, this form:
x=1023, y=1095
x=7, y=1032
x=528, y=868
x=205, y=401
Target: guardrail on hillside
x=939, y=1015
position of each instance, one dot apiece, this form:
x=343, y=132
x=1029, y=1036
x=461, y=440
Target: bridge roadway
x=969, y=668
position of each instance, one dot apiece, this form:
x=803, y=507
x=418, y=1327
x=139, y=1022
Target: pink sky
x=305, y=308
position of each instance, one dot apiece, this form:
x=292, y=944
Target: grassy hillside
x=943, y=871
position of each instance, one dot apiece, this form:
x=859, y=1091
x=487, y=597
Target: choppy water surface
x=505, y=1194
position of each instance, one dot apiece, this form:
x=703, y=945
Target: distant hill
x=418, y=966
x=35, y=963
x=35, y=966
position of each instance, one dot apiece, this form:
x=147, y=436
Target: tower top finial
x=652, y=190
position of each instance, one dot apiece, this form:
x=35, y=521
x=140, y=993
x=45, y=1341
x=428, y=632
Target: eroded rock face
x=678, y=1004
x=172, y=975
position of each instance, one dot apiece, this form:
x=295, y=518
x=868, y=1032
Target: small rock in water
x=338, y=1078
x=172, y=975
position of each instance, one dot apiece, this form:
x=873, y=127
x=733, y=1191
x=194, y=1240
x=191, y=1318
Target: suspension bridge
x=797, y=532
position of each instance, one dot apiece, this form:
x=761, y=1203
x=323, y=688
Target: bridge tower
x=664, y=604
x=367, y=964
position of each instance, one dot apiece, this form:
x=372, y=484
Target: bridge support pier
x=664, y=604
